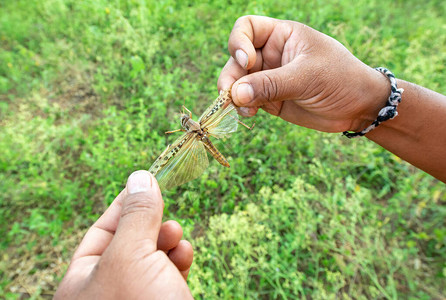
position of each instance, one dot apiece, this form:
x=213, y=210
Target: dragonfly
x=186, y=158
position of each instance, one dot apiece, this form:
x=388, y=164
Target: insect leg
x=165, y=151
x=169, y=132
x=190, y=113
x=250, y=128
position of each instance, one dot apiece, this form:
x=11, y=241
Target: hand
x=128, y=253
x=301, y=75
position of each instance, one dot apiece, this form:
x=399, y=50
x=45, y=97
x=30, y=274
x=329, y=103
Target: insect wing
x=185, y=160
x=224, y=124
x=158, y=164
x=224, y=98
x=220, y=119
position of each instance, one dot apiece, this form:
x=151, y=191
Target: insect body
x=202, y=135
x=186, y=158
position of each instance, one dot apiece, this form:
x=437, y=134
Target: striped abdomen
x=215, y=153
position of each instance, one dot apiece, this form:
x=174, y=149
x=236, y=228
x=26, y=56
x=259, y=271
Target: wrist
x=405, y=123
x=375, y=92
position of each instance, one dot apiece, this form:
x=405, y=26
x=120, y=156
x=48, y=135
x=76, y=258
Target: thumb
x=142, y=212
x=258, y=88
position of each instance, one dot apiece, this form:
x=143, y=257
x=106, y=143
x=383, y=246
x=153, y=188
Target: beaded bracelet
x=388, y=112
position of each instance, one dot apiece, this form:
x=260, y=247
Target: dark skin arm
x=418, y=133
x=307, y=78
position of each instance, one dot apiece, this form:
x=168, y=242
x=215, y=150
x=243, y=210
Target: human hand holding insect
x=300, y=75
x=308, y=78
x=129, y=253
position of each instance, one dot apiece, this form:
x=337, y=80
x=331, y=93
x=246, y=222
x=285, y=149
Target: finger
x=249, y=33
x=274, y=108
x=251, y=111
x=257, y=89
x=185, y=273
x=182, y=255
x=99, y=236
x=169, y=236
x=230, y=73
x=259, y=64
x=247, y=111
x=142, y=211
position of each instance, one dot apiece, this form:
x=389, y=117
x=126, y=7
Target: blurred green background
x=87, y=89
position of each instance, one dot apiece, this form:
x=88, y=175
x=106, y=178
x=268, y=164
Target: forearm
x=418, y=133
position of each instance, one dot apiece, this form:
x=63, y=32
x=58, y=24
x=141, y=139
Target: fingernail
x=139, y=181
x=245, y=93
x=242, y=58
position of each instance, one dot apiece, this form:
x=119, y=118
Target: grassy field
x=87, y=89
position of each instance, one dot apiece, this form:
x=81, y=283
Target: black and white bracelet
x=388, y=112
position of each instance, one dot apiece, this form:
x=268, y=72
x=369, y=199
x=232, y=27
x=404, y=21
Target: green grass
x=87, y=89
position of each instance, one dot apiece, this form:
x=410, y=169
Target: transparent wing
x=184, y=160
x=220, y=119
x=225, y=123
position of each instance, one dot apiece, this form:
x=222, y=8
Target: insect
x=186, y=158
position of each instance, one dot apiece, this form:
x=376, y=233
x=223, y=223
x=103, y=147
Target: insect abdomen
x=214, y=151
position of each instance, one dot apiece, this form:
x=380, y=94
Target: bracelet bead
x=388, y=112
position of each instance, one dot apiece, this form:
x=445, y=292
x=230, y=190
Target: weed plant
x=87, y=89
